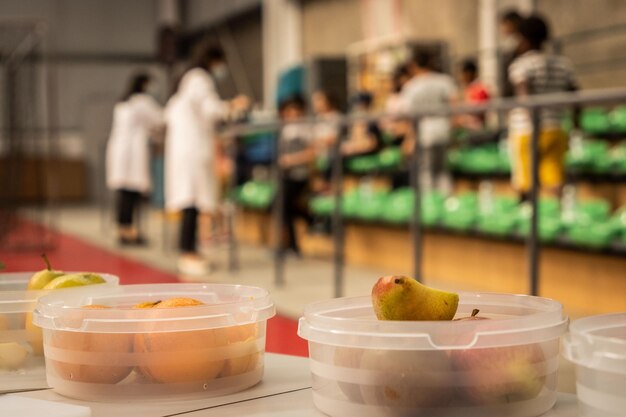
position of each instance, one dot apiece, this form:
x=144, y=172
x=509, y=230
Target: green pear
x=74, y=280
x=402, y=298
x=40, y=279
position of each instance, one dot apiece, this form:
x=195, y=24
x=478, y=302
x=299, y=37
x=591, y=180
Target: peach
x=180, y=356
x=101, y=343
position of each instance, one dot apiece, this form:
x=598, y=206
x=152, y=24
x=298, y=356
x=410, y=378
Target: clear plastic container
x=21, y=344
x=505, y=366
x=123, y=352
x=597, y=346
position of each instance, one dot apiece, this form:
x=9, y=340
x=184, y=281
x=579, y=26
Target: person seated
x=364, y=137
x=474, y=92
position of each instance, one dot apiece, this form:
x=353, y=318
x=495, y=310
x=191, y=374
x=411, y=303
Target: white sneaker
x=193, y=266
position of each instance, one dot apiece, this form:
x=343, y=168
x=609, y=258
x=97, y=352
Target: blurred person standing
x=191, y=177
x=474, y=92
x=326, y=133
x=136, y=118
x=537, y=72
x=425, y=89
x=509, y=42
x=296, y=156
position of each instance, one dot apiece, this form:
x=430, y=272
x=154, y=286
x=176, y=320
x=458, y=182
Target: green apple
x=74, y=280
x=42, y=278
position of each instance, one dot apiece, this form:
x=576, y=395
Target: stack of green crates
x=460, y=211
x=400, y=203
x=500, y=217
x=590, y=225
x=549, y=220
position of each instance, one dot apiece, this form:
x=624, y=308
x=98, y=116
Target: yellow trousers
x=552, y=148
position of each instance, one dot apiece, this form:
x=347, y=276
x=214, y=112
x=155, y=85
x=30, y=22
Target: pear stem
x=47, y=261
x=475, y=312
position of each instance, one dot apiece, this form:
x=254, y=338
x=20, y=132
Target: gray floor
x=306, y=280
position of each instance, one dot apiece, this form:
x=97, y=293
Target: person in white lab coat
x=191, y=180
x=136, y=118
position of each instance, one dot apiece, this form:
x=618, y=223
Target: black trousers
x=294, y=206
x=127, y=202
x=189, y=230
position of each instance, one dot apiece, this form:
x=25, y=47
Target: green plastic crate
x=363, y=164
x=595, y=121
x=390, y=158
x=595, y=235
x=322, y=205
x=461, y=211
x=256, y=194
x=617, y=119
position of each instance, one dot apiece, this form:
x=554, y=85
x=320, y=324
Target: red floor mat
x=71, y=253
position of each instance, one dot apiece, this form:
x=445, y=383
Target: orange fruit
x=97, y=343
x=186, y=356
x=242, y=340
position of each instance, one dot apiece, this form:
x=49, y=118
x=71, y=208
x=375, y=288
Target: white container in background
x=597, y=346
x=122, y=353
x=21, y=344
x=504, y=366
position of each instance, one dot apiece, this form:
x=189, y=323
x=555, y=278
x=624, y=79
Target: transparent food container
x=122, y=352
x=597, y=346
x=504, y=366
x=21, y=345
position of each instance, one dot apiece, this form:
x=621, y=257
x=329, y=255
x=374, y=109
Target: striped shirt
x=542, y=74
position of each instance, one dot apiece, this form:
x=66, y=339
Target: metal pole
x=337, y=221
x=279, y=202
x=533, y=239
x=416, y=223
x=233, y=249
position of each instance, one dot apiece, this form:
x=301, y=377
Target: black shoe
x=138, y=241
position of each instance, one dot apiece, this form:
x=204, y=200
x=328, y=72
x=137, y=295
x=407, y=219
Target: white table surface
x=284, y=392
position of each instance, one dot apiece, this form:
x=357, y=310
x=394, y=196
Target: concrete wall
x=329, y=26
x=595, y=59
x=199, y=13
x=95, y=45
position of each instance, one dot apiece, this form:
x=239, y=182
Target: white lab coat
x=191, y=115
x=128, y=152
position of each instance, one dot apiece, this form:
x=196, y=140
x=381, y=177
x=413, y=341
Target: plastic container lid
x=521, y=319
x=15, y=298
x=225, y=305
x=598, y=342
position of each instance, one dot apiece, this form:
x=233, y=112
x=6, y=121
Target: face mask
x=219, y=72
x=510, y=42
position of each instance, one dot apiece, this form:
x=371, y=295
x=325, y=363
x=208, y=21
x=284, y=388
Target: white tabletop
x=284, y=391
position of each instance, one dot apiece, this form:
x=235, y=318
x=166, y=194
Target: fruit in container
x=12, y=355
x=397, y=297
x=242, y=341
x=407, y=378
x=100, y=345
x=42, y=278
x=184, y=356
x=346, y=357
x=500, y=375
x=74, y=280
